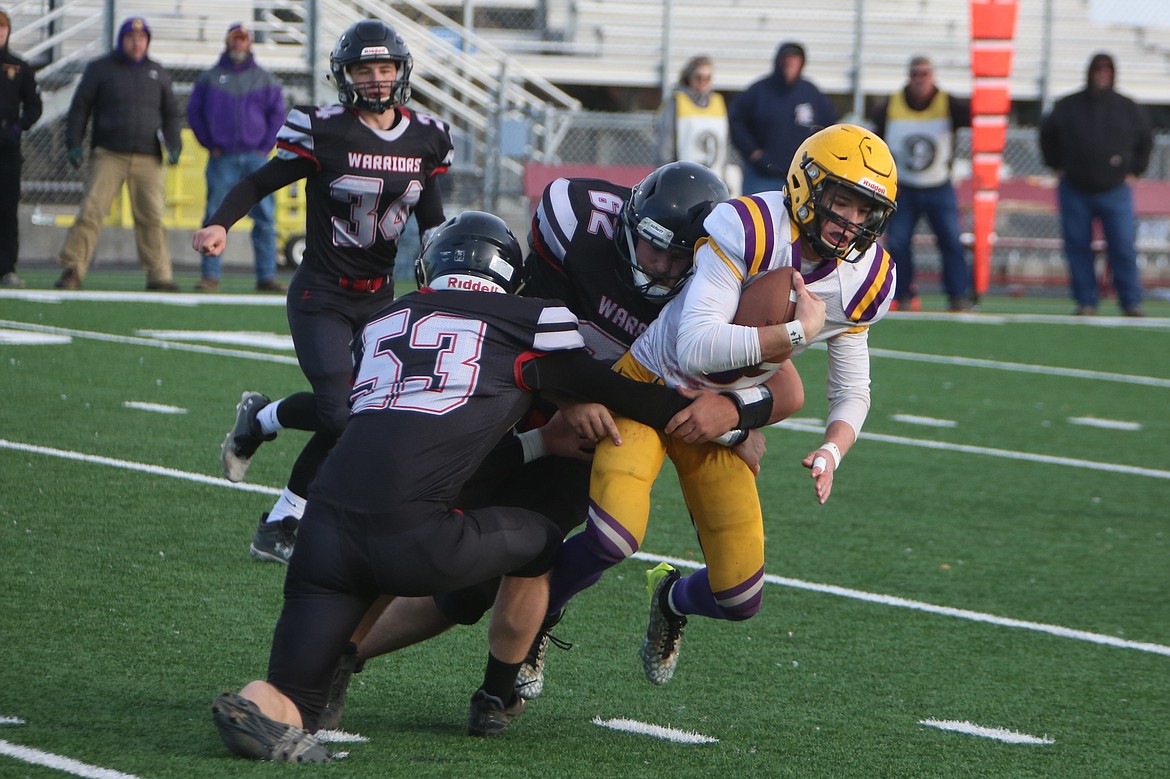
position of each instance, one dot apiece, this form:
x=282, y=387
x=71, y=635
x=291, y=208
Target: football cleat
x=530, y=679
x=489, y=716
x=245, y=437
x=247, y=732
x=661, y=645
x=347, y=665
x=274, y=541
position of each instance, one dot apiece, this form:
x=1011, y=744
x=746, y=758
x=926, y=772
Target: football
x=767, y=299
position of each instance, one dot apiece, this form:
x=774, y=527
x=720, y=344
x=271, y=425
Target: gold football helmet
x=841, y=158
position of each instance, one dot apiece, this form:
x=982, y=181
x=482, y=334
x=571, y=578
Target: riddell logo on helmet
x=873, y=185
x=374, y=51
x=466, y=283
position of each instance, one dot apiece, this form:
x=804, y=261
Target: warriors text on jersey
x=573, y=233
x=367, y=183
x=693, y=343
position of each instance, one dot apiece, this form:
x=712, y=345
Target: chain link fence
x=562, y=32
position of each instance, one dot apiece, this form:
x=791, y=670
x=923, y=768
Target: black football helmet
x=475, y=244
x=667, y=209
x=371, y=41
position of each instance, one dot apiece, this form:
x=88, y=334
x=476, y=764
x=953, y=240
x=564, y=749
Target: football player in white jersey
x=838, y=197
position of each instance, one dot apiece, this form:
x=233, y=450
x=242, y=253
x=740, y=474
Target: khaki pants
x=108, y=171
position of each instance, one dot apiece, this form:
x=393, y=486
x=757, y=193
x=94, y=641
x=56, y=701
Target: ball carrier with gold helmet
x=839, y=193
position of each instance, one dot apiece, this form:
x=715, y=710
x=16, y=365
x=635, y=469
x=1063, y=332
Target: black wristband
x=754, y=405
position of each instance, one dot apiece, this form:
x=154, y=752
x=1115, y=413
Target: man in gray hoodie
x=1098, y=141
x=130, y=100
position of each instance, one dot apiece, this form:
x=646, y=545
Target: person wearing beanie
x=1098, y=141
x=919, y=122
x=20, y=108
x=236, y=109
x=773, y=116
x=128, y=97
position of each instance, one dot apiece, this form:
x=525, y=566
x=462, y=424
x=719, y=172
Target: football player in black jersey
x=449, y=368
x=615, y=256
x=369, y=162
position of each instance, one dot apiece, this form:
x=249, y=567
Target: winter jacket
x=130, y=103
x=20, y=99
x=1096, y=138
x=236, y=108
x=777, y=117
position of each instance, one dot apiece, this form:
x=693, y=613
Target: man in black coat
x=20, y=107
x=1098, y=141
x=130, y=100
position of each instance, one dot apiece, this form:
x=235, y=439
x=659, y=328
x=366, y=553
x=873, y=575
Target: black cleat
x=489, y=716
x=247, y=732
x=274, y=541
x=235, y=455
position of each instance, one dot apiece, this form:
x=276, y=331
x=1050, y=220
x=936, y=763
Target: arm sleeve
x=429, y=211
x=576, y=374
x=254, y=187
x=848, y=380
x=276, y=112
x=707, y=342
x=739, y=124
x=80, y=108
x=1048, y=141
x=1144, y=143
x=30, y=100
x=171, y=123
x=195, y=114
x=877, y=117
x=960, y=111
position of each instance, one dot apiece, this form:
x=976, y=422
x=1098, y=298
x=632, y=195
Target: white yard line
x=886, y=600
x=59, y=763
x=1008, y=454
x=999, y=734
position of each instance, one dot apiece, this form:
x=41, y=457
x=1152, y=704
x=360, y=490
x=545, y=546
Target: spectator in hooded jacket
x=1098, y=141
x=129, y=97
x=20, y=107
x=773, y=117
x=235, y=111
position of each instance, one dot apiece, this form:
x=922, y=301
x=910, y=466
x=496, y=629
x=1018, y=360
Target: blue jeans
x=1114, y=208
x=223, y=171
x=941, y=209
x=755, y=182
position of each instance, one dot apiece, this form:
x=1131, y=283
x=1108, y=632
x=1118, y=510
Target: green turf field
x=995, y=554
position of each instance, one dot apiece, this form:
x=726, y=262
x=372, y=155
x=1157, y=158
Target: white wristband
x=533, y=443
x=833, y=449
x=795, y=332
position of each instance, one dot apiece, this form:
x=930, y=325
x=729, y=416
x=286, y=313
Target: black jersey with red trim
x=578, y=262
x=435, y=387
x=442, y=375
x=367, y=183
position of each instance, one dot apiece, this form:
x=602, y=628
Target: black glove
x=75, y=156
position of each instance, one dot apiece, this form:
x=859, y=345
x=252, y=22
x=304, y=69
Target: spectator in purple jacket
x=235, y=111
